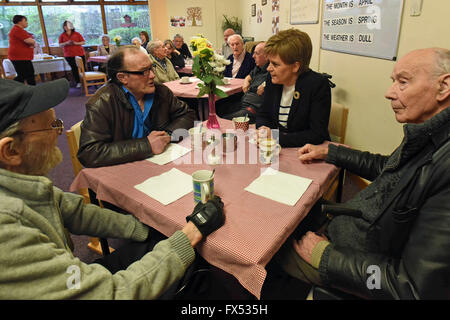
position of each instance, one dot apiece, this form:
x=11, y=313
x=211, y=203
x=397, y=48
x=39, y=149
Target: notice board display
x=362, y=27
x=304, y=11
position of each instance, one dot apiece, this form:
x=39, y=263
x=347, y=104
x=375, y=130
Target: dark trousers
x=25, y=71
x=73, y=66
x=124, y=256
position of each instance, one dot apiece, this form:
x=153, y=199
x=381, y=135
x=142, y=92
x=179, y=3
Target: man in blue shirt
x=130, y=118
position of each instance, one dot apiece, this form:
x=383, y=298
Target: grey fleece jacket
x=35, y=257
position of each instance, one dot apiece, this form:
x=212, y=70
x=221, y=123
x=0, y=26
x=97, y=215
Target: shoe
x=78, y=85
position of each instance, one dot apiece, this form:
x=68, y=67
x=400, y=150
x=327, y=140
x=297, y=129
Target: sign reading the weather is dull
x=362, y=27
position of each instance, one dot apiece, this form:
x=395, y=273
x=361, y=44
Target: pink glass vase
x=212, y=122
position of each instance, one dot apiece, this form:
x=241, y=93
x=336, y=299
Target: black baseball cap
x=19, y=101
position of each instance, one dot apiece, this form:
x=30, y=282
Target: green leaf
x=220, y=93
x=208, y=79
x=204, y=90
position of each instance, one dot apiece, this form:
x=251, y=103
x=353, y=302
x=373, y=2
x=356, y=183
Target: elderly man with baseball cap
x=36, y=259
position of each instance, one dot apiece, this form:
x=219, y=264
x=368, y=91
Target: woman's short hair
x=136, y=39
x=292, y=46
x=17, y=18
x=152, y=45
x=147, y=38
x=105, y=36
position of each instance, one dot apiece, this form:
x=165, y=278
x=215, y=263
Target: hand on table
x=208, y=217
x=158, y=141
x=305, y=246
x=310, y=152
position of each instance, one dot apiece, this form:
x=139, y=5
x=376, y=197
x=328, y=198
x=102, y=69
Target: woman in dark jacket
x=297, y=100
x=174, y=55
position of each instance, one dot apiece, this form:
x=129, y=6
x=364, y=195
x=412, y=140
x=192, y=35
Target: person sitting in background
x=174, y=55
x=143, y=35
x=182, y=47
x=241, y=61
x=253, y=88
x=37, y=259
x=297, y=100
x=137, y=42
x=163, y=68
x=106, y=48
x=226, y=49
x=399, y=224
x=130, y=118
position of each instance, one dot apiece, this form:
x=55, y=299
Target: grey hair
x=105, y=36
x=442, y=60
x=152, y=45
x=178, y=36
x=236, y=36
x=136, y=38
x=11, y=130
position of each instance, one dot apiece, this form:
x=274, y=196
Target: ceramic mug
x=269, y=149
x=203, y=181
x=241, y=123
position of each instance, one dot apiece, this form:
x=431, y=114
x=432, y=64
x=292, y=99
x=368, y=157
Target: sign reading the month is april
x=362, y=27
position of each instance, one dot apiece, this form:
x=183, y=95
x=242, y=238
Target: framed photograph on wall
x=253, y=9
x=263, y=2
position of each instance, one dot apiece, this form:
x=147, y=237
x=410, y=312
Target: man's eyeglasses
x=145, y=72
x=56, y=124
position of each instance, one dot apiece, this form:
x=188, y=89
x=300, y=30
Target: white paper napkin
x=167, y=187
x=173, y=152
x=279, y=186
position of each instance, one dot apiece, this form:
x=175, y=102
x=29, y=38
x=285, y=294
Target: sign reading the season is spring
x=362, y=27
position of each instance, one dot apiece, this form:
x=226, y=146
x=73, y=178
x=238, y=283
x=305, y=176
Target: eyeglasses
x=145, y=72
x=56, y=124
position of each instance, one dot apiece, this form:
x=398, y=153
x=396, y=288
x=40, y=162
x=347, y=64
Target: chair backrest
x=73, y=139
x=8, y=69
x=80, y=65
x=338, y=122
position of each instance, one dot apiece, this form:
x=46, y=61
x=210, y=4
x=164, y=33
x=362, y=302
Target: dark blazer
x=309, y=114
x=247, y=66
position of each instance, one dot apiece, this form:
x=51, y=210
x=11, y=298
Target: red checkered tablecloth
x=255, y=227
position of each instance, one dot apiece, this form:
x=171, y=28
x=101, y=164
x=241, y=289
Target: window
x=121, y=17
x=6, y=15
x=126, y=21
x=87, y=20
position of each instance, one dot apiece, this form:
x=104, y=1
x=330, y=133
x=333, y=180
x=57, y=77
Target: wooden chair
x=337, y=128
x=89, y=78
x=73, y=139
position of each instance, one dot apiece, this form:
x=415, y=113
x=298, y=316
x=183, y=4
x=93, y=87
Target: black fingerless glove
x=208, y=217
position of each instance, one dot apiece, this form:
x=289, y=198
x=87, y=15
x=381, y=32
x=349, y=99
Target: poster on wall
x=362, y=27
x=275, y=6
x=178, y=21
x=304, y=11
x=194, y=17
x=275, y=24
x=259, y=16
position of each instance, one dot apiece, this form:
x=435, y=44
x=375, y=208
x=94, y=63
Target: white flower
x=212, y=64
x=219, y=69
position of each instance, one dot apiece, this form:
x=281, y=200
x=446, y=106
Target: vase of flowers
x=208, y=67
x=117, y=40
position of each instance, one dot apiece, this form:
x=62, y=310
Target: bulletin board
x=362, y=27
x=304, y=11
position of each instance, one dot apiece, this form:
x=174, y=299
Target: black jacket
x=248, y=64
x=310, y=111
x=410, y=237
x=106, y=132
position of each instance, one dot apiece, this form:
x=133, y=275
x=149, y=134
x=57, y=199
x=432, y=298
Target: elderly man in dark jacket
x=130, y=118
x=391, y=240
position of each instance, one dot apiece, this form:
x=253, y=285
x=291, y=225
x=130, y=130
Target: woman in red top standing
x=20, y=50
x=72, y=42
